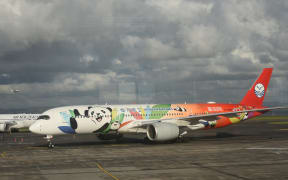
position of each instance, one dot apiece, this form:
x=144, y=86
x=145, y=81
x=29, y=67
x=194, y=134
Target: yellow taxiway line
x=3, y=155
x=106, y=172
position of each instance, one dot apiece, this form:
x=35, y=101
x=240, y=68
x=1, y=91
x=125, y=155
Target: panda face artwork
x=180, y=109
x=92, y=119
x=98, y=114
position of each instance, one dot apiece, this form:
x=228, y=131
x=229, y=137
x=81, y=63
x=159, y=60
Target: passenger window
x=43, y=117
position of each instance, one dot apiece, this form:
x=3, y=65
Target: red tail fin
x=256, y=94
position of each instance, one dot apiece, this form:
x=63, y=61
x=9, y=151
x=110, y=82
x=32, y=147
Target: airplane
x=14, y=91
x=16, y=121
x=160, y=122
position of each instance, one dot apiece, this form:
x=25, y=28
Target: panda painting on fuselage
x=86, y=120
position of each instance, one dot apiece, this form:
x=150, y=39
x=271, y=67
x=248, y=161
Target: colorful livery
x=160, y=122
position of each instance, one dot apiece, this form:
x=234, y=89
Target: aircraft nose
x=35, y=128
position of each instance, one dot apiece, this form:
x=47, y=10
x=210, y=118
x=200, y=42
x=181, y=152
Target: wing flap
x=227, y=114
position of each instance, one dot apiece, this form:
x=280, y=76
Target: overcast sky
x=64, y=52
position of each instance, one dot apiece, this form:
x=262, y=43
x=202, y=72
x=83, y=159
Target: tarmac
x=255, y=149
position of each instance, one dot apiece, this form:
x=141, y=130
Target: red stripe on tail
x=256, y=94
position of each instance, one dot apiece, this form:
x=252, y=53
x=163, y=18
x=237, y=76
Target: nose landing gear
x=49, y=140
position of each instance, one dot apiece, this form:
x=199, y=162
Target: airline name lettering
x=145, y=109
x=215, y=109
x=25, y=117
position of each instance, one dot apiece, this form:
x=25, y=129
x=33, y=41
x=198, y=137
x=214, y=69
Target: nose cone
x=35, y=128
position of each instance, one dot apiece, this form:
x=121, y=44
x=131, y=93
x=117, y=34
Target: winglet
x=255, y=95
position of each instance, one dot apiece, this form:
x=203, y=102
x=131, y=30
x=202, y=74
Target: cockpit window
x=44, y=117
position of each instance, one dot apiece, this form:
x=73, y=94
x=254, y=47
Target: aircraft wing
x=214, y=115
x=200, y=120
x=4, y=126
x=10, y=123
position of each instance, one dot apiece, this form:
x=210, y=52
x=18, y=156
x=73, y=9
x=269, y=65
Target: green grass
x=279, y=123
x=23, y=130
x=271, y=118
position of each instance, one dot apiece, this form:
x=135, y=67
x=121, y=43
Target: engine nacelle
x=162, y=131
x=3, y=127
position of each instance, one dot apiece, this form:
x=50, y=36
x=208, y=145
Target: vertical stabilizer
x=255, y=95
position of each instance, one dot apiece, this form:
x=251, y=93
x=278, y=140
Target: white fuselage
x=17, y=120
x=101, y=119
x=134, y=118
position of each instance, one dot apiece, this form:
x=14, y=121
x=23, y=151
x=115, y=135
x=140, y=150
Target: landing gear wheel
x=49, y=139
x=181, y=140
x=147, y=141
x=51, y=145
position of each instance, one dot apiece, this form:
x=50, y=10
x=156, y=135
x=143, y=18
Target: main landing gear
x=49, y=140
x=181, y=137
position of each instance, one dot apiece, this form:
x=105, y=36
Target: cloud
x=200, y=41
x=117, y=62
x=77, y=49
x=250, y=18
x=244, y=52
x=88, y=59
x=149, y=48
x=181, y=10
x=23, y=23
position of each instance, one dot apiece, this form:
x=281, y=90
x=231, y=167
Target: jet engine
x=162, y=131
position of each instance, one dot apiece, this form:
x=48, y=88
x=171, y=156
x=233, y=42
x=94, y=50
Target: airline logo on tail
x=259, y=90
x=255, y=95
